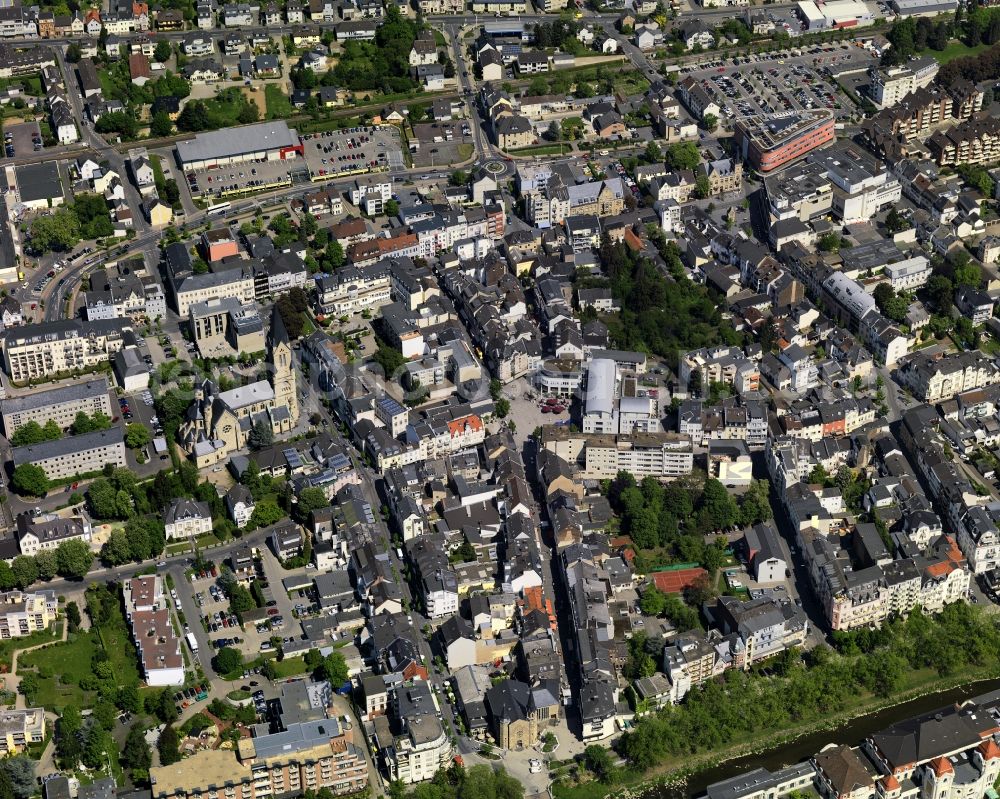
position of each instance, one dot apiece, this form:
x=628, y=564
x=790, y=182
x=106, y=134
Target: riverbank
x=681, y=777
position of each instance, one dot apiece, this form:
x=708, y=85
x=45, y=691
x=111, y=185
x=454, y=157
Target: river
x=851, y=732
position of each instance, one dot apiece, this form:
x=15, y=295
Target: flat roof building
x=770, y=142
x=272, y=141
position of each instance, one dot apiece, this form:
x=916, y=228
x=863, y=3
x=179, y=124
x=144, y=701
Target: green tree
x=228, y=660
x=166, y=708
x=25, y=571
x=391, y=208
x=335, y=252
x=74, y=559
x=30, y=480
x=136, y=436
x=599, y=762
x=310, y=499
x=73, y=616
x=160, y=125
x=260, y=435
x=717, y=507
x=46, y=564
x=240, y=600
x=59, y=231
x=163, y=51
x=683, y=155
x=68, y=747
x=702, y=187
x=169, y=746
x=265, y=513
x=6, y=787
x=34, y=433
x=829, y=242
x=710, y=122
x=335, y=669
x=653, y=602
x=135, y=756
x=20, y=770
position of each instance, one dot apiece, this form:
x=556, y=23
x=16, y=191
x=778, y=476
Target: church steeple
x=283, y=375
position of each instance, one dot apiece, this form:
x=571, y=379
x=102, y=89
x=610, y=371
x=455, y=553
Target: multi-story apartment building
x=418, y=753
x=37, y=533
x=979, y=539
x=23, y=614
x=764, y=627
x=148, y=615
x=975, y=141
x=932, y=378
x=49, y=348
x=889, y=86
x=601, y=456
x=556, y=200
x=75, y=455
x=21, y=728
x=122, y=294
x=724, y=175
x=307, y=755
x=60, y=405
x=354, y=289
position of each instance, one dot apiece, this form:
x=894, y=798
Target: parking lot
x=441, y=143
x=777, y=82
x=22, y=138
x=248, y=177
x=334, y=153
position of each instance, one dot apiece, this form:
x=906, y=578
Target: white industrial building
x=819, y=15
x=270, y=141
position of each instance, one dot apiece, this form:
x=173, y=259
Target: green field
x=956, y=49
x=32, y=84
x=62, y=666
x=9, y=646
x=289, y=667
x=543, y=149
x=60, y=669
x=278, y=104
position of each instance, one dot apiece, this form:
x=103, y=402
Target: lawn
x=108, y=86
x=158, y=178
x=278, y=104
x=32, y=84
x=8, y=647
x=178, y=547
x=60, y=667
x=542, y=149
x=289, y=667
x=957, y=49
